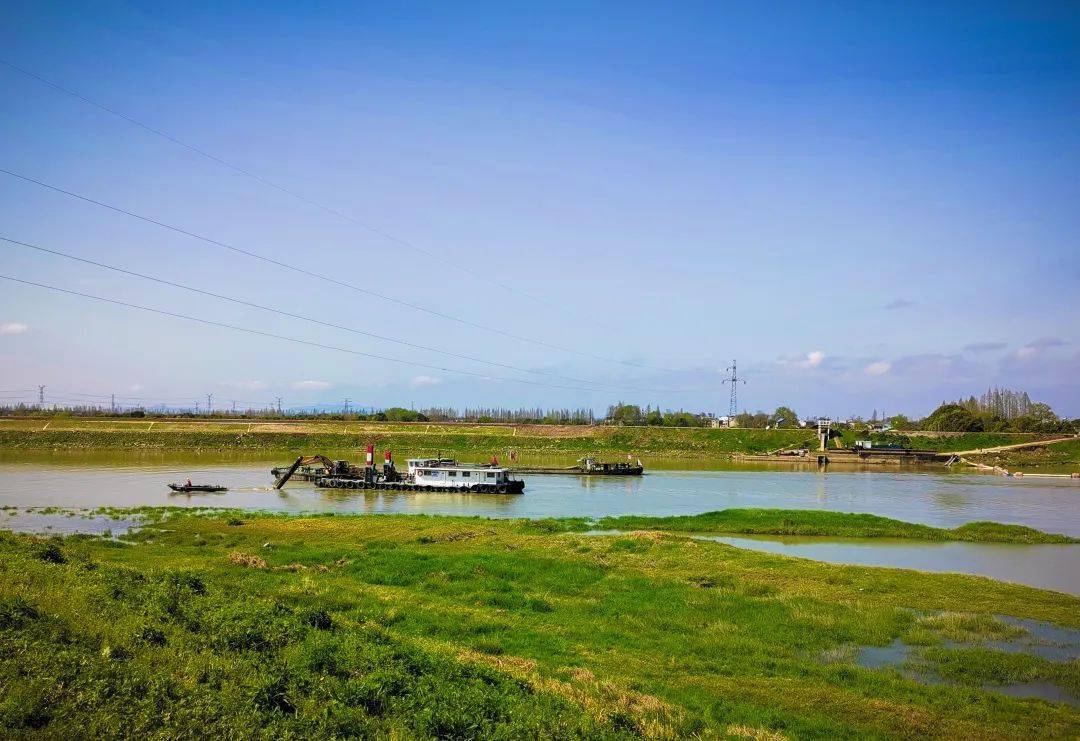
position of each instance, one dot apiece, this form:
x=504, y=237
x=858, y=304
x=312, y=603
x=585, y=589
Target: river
x=111, y=479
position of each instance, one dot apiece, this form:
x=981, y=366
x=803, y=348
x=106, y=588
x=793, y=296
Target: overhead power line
x=320, y=276
x=320, y=322
x=274, y=185
x=284, y=338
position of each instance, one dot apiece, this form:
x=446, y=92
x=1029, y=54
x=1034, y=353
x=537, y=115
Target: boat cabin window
x=491, y=475
x=466, y=474
x=453, y=473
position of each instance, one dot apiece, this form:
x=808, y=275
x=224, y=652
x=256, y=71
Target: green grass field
x=424, y=438
x=412, y=626
x=808, y=523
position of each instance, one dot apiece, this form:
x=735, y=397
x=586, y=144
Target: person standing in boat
x=188, y=482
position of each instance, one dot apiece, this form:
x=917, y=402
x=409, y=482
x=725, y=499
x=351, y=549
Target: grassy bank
x=813, y=523
x=424, y=626
x=1061, y=455
x=424, y=438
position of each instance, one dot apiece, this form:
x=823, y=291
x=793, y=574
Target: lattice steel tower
x=733, y=405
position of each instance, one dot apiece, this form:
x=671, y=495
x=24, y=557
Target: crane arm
x=303, y=461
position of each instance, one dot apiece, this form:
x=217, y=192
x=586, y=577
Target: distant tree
x=784, y=417
x=900, y=422
x=1005, y=410
x=953, y=418
x=624, y=414
x=680, y=419
x=756, y=420
x=400, y=414
x=654, y=417
x=1039, y=418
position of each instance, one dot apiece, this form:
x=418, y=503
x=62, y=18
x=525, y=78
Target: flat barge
x=587, y=467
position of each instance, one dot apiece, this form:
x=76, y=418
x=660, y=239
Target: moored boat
x=588, y=467
x=187, y=488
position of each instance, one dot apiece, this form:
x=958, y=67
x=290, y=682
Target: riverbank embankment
x=430, y=438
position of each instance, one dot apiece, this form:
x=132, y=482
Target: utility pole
x=234, y=406
x=279, y=405
x=347, y=405
x=196, y=406
x=41, y=396
x=209, y=405
x=733, y=404
x=112, y=403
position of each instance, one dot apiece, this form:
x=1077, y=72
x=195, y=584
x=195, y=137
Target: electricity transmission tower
x=733, y=405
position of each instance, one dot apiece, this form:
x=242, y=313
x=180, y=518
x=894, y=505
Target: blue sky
x=869, y=205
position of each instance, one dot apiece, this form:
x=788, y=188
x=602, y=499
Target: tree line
x=997, y=410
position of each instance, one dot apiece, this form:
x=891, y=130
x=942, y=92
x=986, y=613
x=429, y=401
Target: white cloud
x=426, y=381
x=310, y=385
x=13, y=328
x=245, y=385
x=1035, y=347
x=812, y=359
x=879, y=368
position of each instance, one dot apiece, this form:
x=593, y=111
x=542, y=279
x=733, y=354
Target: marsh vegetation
x=251, y=625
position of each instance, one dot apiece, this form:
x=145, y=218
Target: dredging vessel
x=422, y=475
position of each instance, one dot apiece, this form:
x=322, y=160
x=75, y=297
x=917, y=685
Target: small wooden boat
x=186, y=488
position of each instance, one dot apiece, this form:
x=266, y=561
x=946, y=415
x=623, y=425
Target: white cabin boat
x=447, y=473
x=412, y=464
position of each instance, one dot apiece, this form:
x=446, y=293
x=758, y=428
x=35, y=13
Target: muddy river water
x=87, y=480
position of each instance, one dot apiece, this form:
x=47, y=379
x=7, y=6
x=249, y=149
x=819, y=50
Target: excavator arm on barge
x=303, y=461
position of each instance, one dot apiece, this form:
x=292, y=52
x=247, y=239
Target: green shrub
x=50, y=553
x=15, y=612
